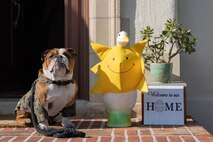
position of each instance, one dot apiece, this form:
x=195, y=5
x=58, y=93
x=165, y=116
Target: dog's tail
x=59, y=133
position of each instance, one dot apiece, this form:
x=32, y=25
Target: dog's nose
x=60, y=57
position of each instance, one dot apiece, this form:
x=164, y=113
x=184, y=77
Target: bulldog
x=55, y=90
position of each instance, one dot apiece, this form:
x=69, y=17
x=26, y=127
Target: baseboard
x=84, y=108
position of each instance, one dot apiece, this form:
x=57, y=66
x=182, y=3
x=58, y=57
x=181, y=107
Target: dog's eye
x=67, y=55
x=51, y=56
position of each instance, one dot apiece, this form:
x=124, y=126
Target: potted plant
x=175, y=39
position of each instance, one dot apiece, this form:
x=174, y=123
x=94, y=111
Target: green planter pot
x=161, y=72
x=119, y=107
x=119, y=119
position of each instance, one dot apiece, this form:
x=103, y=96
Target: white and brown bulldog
x=55, y=89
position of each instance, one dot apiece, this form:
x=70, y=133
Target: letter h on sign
x=150, y=106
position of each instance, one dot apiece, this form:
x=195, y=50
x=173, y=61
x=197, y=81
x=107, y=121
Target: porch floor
x=97, y=131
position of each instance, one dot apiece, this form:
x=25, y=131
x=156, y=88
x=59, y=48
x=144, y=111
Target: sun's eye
x=127, y=58
x=113, y=59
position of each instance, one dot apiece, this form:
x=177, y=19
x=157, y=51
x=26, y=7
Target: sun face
x=121, y=63
x=121, y=69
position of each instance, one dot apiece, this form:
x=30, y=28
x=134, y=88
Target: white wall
x=197, y=69
x=155, y=13
x=128, y=8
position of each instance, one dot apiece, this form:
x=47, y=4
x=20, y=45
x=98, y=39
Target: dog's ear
x=44, y=54
x=71, y=51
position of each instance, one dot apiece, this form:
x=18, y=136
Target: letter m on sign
x=169, y=107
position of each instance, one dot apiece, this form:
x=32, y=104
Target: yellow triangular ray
x=95, y=68
x=97, y=88
x=138, y=47
x=101, y=50
x=142, y=85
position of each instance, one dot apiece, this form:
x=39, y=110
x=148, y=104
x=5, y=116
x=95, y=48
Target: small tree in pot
x=172, y=36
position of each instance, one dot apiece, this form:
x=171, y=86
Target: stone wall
x=104, y=24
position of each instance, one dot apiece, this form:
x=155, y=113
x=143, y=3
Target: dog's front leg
x=44, y=124
x=68, y=112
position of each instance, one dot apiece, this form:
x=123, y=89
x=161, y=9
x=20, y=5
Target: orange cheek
x=46, y=63
x=71, y=65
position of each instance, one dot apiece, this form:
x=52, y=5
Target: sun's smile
x=121, y=71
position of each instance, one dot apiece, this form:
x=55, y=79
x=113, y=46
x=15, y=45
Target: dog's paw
x=24, y=121
x=43, y=126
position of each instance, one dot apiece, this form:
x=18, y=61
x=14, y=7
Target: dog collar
x=63, y=82
x=59, y=82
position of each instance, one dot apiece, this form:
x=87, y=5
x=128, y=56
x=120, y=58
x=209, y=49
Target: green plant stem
x=173, y=55
x=170, y=52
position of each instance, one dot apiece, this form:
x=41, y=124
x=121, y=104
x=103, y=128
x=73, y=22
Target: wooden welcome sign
x=164, y=104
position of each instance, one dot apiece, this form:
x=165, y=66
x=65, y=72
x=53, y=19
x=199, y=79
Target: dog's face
x=58, y=64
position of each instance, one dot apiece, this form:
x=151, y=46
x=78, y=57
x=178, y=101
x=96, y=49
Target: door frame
x=77, y=37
